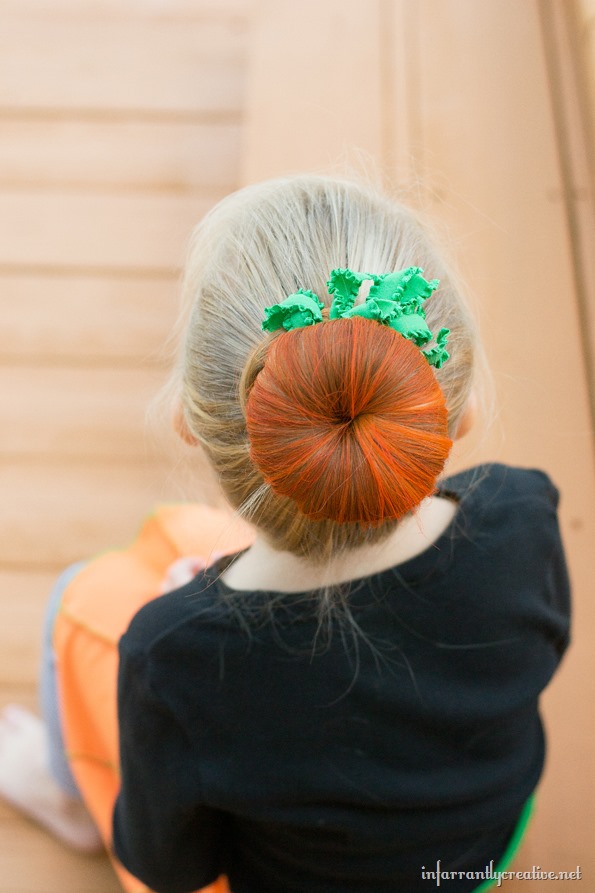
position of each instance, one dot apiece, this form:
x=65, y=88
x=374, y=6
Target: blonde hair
x=251, y=251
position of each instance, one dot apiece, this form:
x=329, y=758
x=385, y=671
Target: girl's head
x=323, y=436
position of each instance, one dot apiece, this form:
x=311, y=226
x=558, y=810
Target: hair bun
x=347, y=419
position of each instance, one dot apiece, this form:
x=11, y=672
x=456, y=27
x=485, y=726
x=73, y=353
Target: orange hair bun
x=347, y=419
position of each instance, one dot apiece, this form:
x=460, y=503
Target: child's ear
x=468, y=416
x=181, y=426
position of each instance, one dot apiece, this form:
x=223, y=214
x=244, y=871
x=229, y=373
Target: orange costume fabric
x=96, y=609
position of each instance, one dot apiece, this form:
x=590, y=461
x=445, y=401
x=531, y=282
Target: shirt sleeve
x=554, y=605
x=162, y=833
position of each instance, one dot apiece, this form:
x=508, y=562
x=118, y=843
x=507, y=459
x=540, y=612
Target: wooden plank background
x=122, y=123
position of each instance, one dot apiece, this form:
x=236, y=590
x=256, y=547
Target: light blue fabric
x=48, y=687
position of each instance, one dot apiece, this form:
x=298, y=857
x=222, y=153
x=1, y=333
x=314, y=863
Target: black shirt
x=302, y=759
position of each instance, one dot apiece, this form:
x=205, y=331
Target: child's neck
x=263, y=567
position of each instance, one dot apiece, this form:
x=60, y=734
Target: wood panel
x=32, y=862
x=582, y=14
x=76, y=230
x=54, y=513
x=87, y=414
x=585, y=12
x=314, y=87
x=168, y=156
x=115, y=9
x=569, y=33
x=79, y=61
x=84, y=319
